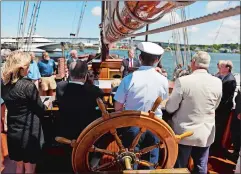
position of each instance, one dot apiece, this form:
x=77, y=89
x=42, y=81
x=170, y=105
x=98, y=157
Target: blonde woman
x=21, y=97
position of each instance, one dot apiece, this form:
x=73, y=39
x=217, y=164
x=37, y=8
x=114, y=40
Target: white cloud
x=165, y=20
x=96, y=11
x=231, y=23
x=215, y=6
x=193, y=29
x=228, y=33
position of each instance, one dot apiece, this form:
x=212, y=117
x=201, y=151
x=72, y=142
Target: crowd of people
x=200, y=102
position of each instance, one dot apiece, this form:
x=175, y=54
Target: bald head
x=74, y=54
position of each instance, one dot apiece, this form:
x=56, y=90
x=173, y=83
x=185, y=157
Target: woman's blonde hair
x=11, y=68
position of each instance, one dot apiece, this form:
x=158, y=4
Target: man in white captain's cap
x=139, y=90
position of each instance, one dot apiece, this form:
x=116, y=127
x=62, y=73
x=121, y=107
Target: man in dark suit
x=226, y=104
x=77, y=101
x=130, y=63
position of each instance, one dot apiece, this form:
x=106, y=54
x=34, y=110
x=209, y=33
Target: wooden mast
x=104, y=49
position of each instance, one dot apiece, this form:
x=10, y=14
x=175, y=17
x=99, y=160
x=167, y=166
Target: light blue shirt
x=33, y=73
x=140, y=89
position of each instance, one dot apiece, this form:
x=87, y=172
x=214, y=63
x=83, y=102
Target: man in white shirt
x=193, y=102
x=130, y=62
x=139, y=90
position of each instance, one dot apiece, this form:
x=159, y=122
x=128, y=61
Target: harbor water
x=168, y=59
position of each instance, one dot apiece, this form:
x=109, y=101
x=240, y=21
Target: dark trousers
x=147, y=139
x=235, y=132
x=221, y=120
x=199, y=155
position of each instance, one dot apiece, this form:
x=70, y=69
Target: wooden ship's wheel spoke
x=117, y=139
x=150, y=148
x=137, y=138
x=146, y=163
x=104, y=166
x=103, y=151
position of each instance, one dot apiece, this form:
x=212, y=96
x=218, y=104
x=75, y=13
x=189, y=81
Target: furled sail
x=129, y=16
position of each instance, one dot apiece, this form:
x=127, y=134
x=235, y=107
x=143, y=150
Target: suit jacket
x=77, y=105
x=229, y=85
x=238, y=102
x=193, y=102
x=125, y=64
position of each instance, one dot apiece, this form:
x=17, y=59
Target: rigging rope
x=19, y=21
x=176, y=39
x=204, y=19
x=76, y=6
x=220, y=26
x=35, y=26
x=24, y=22
x=29, y=41
x=30, y=22
x=81, y=18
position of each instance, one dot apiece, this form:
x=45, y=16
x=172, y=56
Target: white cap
x=150, y=48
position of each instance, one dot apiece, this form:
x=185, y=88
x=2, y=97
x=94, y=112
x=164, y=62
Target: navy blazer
x=229, y=86
x=125, y=63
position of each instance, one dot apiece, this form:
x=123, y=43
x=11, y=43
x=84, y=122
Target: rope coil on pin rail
x=204, y=19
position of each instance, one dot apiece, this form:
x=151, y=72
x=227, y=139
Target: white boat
x=38, y=43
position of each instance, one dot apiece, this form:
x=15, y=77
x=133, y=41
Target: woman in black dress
x=25, y=109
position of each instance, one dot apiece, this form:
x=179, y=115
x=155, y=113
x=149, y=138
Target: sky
x=60, y=18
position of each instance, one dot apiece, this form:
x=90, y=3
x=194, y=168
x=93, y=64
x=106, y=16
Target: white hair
x=202, y=59
x=73, y=51
x=5, y=52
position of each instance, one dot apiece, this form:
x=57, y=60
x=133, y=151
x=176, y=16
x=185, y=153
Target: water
x=168, y=59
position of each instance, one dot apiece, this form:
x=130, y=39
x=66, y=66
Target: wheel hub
x=127, y=158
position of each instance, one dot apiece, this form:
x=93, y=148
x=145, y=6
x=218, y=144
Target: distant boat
x=38, y=43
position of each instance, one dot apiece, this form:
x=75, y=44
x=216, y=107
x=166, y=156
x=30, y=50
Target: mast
x=104, y=47
x=147, y=28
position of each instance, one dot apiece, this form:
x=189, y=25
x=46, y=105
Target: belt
x=46, y=75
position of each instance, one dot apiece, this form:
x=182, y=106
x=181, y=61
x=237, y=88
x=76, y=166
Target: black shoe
x=233, y=157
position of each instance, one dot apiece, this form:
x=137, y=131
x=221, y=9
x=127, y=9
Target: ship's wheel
x=124, y=158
